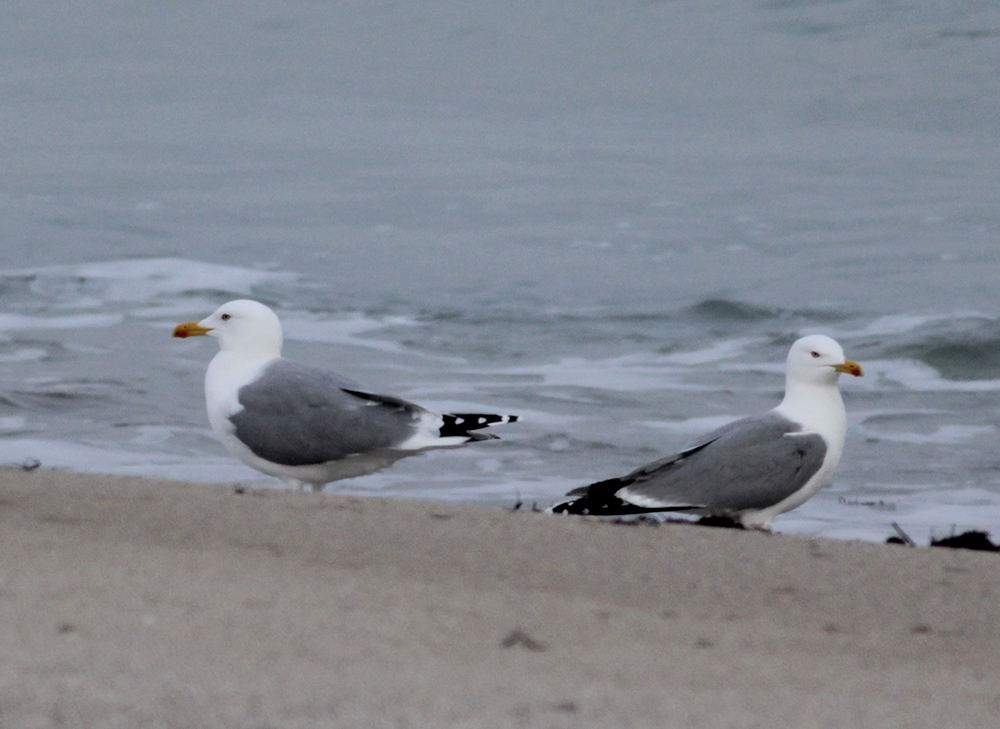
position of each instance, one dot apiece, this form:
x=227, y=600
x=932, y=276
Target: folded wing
x=752, y=463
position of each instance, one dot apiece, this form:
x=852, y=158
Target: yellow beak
x=848, y=368
x=190, y=329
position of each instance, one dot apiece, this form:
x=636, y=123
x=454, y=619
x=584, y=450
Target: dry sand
x=132, y=603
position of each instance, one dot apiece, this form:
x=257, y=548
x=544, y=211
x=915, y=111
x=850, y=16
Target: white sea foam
x=920, y=377
x=634, y=372
x=22, y=323
x=722, y=350
x=353, y=330
x=942, y=435
x=140, y=461
x=140, y=280
x=897, y=324
x=27, y=354
x=692, y=425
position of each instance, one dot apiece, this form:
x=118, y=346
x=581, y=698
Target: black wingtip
x=461, y=424
x=601, y=499
x=590, y=506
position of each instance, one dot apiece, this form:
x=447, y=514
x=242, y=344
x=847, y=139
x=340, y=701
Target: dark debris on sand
x=968, y=540
x=29, y=464
x=975, y=540
x=518, y=637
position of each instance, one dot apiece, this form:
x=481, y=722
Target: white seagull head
x=818, y=360
x=242, y=325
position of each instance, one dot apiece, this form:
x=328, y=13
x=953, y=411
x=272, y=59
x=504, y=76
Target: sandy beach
x=128, y=603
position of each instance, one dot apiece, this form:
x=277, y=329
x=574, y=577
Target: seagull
x=305, y=425
x=750, y=470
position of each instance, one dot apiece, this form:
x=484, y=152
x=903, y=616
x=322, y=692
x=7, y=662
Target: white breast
x=226, y=374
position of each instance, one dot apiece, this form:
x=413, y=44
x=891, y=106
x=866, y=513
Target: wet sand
x=137, y=603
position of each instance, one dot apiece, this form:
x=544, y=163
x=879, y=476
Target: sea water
x=609, y=218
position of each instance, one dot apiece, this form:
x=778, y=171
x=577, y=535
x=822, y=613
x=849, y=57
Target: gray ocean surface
x=611, y=218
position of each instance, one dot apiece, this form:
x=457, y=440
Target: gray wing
x=297, y=415
x=752, y=463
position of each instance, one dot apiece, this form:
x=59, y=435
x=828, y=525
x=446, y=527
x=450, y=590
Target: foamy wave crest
x=942, y=435
x=899, y=324
x=726, y=349
x=140, y=280
x=637, y=372
x=646, y=370
x=21, y=323
x=354, y=329
x=122, y=459
x=693, y=426
x=920, y=377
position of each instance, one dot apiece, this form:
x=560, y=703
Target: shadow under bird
x=750, y=470
x=305, y=425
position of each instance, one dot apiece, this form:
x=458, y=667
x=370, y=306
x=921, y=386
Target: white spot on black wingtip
x=563, y=507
